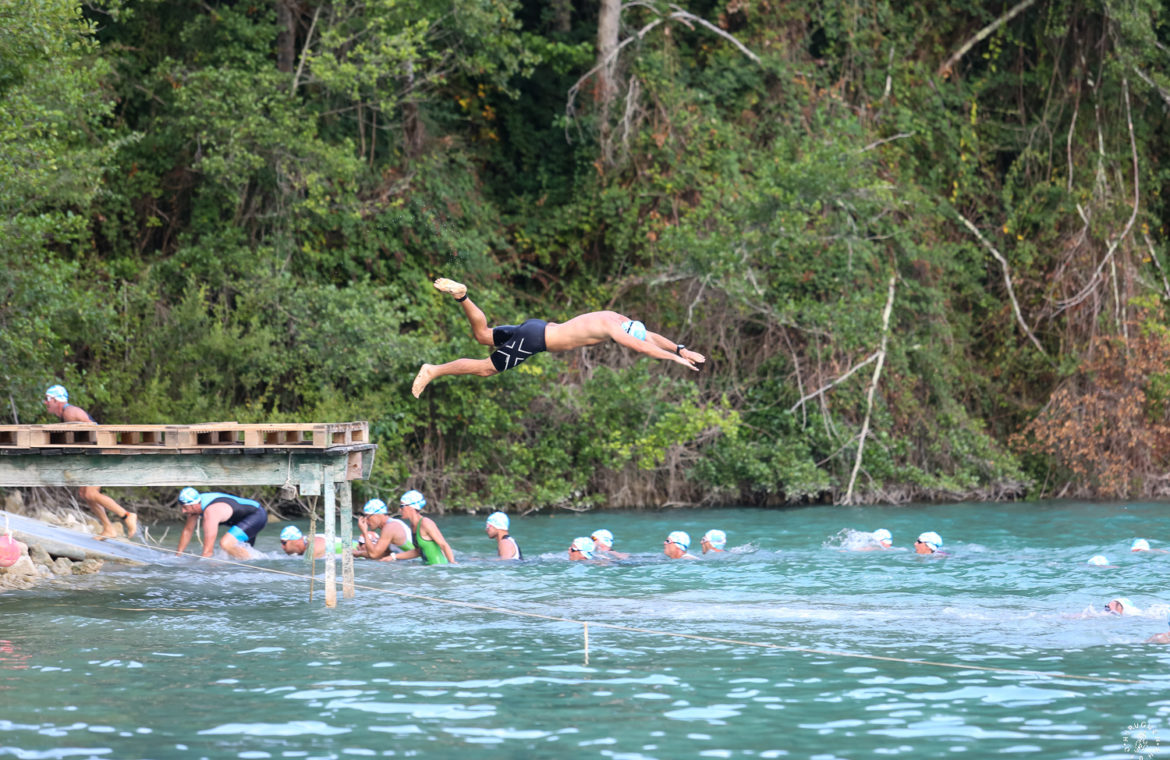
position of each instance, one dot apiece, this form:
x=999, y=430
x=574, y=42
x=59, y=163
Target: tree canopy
x=923, y=246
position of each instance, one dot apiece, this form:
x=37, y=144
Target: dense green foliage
x=230, y=210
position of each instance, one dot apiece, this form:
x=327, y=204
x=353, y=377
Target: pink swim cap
x=9, y=551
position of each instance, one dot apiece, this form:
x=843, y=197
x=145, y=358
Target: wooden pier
x=315, y=458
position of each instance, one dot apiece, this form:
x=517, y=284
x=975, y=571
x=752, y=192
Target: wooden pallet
x=210, y=435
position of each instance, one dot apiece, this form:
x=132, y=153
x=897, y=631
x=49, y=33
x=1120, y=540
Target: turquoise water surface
x=194, y=659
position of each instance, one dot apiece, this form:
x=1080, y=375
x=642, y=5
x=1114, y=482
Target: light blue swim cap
x=881, y=534
x=374, y=507
x=413, y=499
x=1098, y=559
x=291, y=533
x=1140, y=545
x=931, y=539
x=1127, y=607
x=58, y=393
x=716, y=538
x=681, y=538
x=603, y=536
x=583, y=544
x=188, y=495
x=635, y=328
x=498, y=520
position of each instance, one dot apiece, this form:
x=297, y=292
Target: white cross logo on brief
x=519, y=349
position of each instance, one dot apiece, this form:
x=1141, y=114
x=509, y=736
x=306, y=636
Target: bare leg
x=479, y=329
x=99, y=503
x=481, y=367
x=234, y=547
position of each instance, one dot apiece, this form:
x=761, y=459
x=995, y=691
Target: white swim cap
x=58, y=393
x=498, y=520
x=188, y=495
x=635, y=328
x=1140, y=545
x=931, y=539
x=882, y=535
x=680, y=538
x=1127, y=607
x=716, y=538
x=583, y=544
x=603, y=536
x=413, y=499
x=291, y=533
x=1098, y=559
x=374, y=507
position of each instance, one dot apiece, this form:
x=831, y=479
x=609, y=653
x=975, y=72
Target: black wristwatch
x=678, y=347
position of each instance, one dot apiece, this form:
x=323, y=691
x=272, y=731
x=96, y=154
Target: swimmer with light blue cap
x=293, y=541
x=581, y=548
x=884, y=538
x=713, y=541
x=380, y=533
x=928, y=543
x=291, y=533
x=1099, y=560
x=497, y=529
x=1122, y=606
x=603, y=543
x=676, y=544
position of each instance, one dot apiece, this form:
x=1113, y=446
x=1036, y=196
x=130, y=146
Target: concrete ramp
x=77, y=546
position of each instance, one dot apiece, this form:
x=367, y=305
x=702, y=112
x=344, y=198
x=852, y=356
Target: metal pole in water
x=310, y=548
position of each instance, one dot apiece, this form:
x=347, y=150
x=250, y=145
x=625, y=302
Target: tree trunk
x=608, y=23
x=286, y=38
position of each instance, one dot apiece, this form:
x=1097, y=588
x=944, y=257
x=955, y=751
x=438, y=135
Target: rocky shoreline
x=37, y=565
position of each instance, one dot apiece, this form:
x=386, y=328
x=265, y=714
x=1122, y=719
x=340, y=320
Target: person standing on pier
x=244, y=518
x=57, y=403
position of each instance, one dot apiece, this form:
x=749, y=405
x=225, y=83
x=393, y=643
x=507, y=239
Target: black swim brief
x=517, y=343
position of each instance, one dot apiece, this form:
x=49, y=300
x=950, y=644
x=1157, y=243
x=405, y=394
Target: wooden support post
x=330, y=536
x=346, y=517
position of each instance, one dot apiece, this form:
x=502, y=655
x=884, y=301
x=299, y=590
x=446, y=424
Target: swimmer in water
x=382, y=535
x=497, y=529
x=928, y=543
x=515, y=343
x=295, y=542
x=581, y=548
x=1142, y=545
x=1122, y=606
x=676, y=544
x=603, y=544
x=713, y=541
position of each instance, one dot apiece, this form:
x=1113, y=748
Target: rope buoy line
x=692, y=636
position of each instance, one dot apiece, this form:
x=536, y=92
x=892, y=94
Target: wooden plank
x=205, y=468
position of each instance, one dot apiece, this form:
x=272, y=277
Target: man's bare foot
x=422, y=379
x=131, y=521
x=457, y=289
x=107, y=533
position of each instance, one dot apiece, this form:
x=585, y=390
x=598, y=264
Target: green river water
x=195, y=659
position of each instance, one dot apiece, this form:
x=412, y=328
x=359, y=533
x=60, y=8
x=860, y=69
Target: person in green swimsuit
x=428, y=539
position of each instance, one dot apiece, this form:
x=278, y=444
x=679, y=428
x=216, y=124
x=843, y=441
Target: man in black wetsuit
x=515, y=343
x=244, y=518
